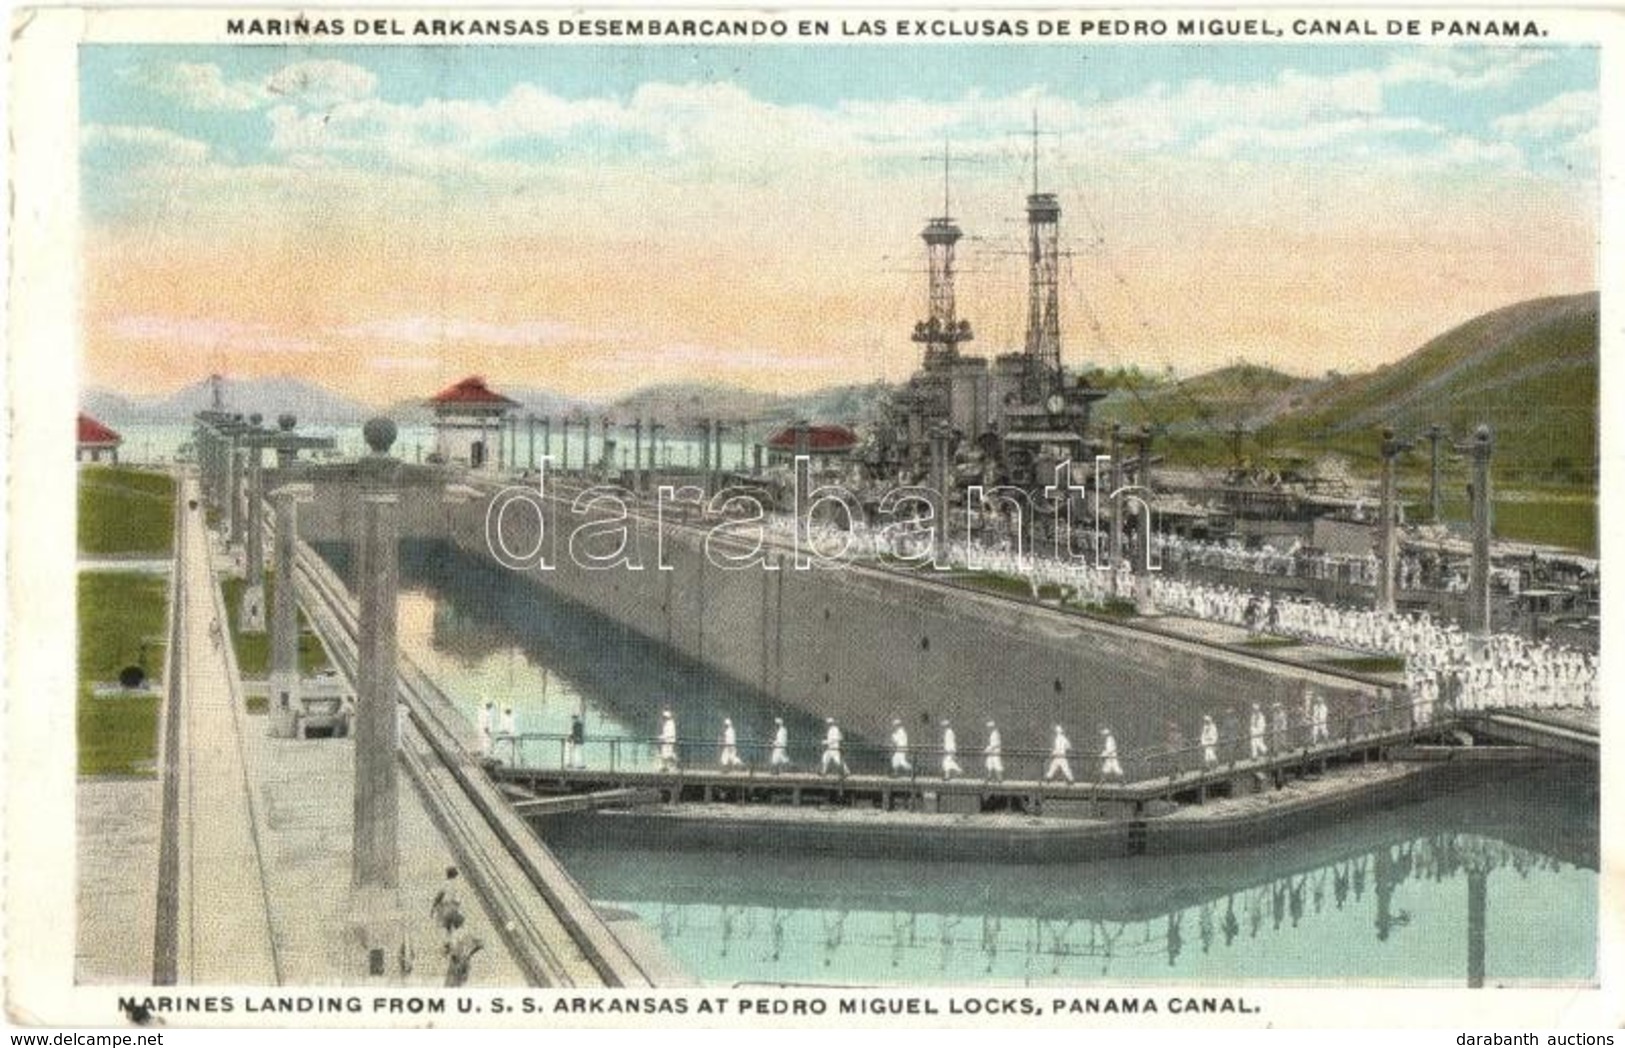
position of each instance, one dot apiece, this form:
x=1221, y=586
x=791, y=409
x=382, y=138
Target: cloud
x=321, y=82
x=1566, y=114
x=413, y=364
x=204, y=86
x=199, y=86
x=205, y=333
x=133, y=147
x=433, y=331
x=1465, y=69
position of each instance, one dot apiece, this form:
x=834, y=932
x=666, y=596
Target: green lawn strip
x=1367, y=664
x=254, y=649
x=1271, y=642
x=119, y=612
x=125, y=511
x=995, y=583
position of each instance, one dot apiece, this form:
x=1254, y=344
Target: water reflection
x=1397, y=912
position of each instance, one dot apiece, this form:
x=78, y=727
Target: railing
x=923, y=765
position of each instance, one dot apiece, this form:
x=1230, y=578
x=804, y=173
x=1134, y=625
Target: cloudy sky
x=596, y=218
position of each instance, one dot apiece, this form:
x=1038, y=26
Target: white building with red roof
x=827, y=445
x=470, y=422
x=97, y=443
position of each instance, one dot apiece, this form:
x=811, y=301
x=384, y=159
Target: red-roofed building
x=471, y=424
x=97, y=443
x=823, y=442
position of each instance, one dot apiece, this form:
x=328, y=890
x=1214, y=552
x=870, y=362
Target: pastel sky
x=596, y=218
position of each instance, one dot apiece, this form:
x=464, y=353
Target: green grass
x=118, y=614
x=996, y=583
x=1567, y=521
x=1367, y=664
x=1271, y=642
x=125, y=511
x=254, y=649
x=1114, y=607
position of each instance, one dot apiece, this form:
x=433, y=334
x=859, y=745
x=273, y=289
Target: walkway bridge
x=618, y=772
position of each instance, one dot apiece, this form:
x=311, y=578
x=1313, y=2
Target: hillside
x=1213, y=402
x=1529, y=371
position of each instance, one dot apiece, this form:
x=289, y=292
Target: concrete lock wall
x=863, y=645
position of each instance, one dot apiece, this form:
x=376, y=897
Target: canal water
x=1496, y=884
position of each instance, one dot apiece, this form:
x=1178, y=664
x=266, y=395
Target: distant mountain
x=680, y=404
x=416, y=410
x=268, y=396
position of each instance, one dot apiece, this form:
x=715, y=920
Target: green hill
x=1529, y=371
x=1211, y=403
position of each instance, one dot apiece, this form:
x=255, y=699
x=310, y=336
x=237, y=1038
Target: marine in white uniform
x=728, y=758
x=950, y=753
x=1210, y=741
x=779, y=759
x=832, y=761
x=1058, y=753
x=668, y=741
x=1258, y=729
x=899, y=748
x=993, y=753
x=1110, y=767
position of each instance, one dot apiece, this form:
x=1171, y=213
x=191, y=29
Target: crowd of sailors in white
x=1441, y=669
x=1440, y=664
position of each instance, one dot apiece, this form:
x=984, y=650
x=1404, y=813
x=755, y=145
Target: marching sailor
x=832, y=748
x=1058, y=751
x=779, y=759
x=1110, y=767
x=950, y=753
x=729, y=757
x=668, y=741
x=899, y=748
x=993, y=753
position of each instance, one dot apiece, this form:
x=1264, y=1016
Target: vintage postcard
x=1042, y=517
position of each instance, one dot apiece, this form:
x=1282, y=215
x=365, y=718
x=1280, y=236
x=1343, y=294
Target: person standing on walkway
x=1058, y=753
x=1210, y=742
x=899, y=748
x=950, y=753
x=668, y=741
x=1258, y=731
x=578, y=741
x=993, y=754
x=729, y=756
x=460, y=957
x=447, y=907
x=779, y=759
x=1110, y=766
x=1319, y=720
x=832, y=749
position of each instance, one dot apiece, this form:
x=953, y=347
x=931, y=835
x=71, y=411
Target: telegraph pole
x=1435, y=433
x=1387, y=531
x=1480, y=449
